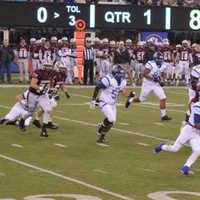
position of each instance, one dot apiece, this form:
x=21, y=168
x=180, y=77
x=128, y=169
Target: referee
x=89, y=57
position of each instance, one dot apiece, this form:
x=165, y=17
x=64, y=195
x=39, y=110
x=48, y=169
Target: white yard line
x=103, y=145
x=60, y=145
x=100, y=171
x=123, y=123
x=2, y=174
x=67, y=178
x=116, y=129
x=149, y=170
x=159, y=123
x=143, y=144
x=17, y=145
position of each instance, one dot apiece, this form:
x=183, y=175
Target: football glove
x=162, y=83
x=93, y=104
x=129, y=99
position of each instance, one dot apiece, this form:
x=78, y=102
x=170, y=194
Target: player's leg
x=21, y=70
x=195, y=144
x=183, y=137
x=26, y=70
x=12, y=115
x=110, y=118
x=159, y=92
x=44, y=103
x=145, y=91
x=51, y=124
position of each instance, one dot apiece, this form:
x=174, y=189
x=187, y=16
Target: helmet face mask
x=158, y=58
x=118, y=73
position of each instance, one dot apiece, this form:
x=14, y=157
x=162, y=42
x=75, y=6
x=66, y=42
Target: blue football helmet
x=158, y=58
x=118, y=73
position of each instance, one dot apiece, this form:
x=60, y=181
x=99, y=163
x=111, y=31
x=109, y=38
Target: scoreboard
x=149, y=18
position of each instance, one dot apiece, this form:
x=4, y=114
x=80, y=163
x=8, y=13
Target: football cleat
x=52, y=125
x=44, y=132
x=130, y=99
x=37, y=123
x=166, y=118
x=100, y=136
x=158, y=149
x=22, y=124
x=14, y=123
x=2, y=121
x=185, y=170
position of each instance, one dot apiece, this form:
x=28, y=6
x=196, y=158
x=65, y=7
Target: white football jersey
x=111, y=93
x=196, y=71
x=155, y=71
x=195, y=109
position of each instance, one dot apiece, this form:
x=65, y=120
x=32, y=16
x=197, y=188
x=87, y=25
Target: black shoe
x=129, y=99
x=37, y=123
x=166, y=118
x=51, y=125
x=101, y=139
x=44, y=133
x=13, y=123
x=2, y=121
x=22, y=124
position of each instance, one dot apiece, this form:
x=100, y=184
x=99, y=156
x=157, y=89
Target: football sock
x=106, y=126
x=192, y=158
x=162, y=112
x=171, y=148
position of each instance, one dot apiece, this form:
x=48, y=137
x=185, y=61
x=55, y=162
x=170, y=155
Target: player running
x=153, y=81
x=189, y=133
x=110, y=87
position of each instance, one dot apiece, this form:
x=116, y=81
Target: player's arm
x=100, y=86
x=197, y=120
x=146, y=74
x=19, y=97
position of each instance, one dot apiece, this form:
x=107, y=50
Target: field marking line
x=159, y=123
x=2, y=174
x=144, y=104
x=116, y=129
x=102, y=144
x=123, y=123
x=60, y=145
x=17, y=145
x=149, y=170
x=143, y=144
x=87, y=86
x=100, y=171
x=70, y=179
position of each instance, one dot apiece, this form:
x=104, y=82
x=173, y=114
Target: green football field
x=69, y=165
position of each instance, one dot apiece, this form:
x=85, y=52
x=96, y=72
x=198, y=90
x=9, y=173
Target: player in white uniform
x=154, y=77
x=22, y=109
x=110, y=86
x=192, y=94
x=189, y=133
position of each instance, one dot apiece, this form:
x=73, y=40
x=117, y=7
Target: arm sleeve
x=148, y=66
x=197, y=118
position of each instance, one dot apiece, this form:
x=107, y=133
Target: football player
x=189, y=133
x=153, y=81
x=57, y=82
x=110, y=87
x=22, y=109
x=23, y=56
x=38, y=92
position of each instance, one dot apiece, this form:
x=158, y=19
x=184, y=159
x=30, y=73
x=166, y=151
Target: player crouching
x=189, y=133
x=110, y=86
x=23, y=109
